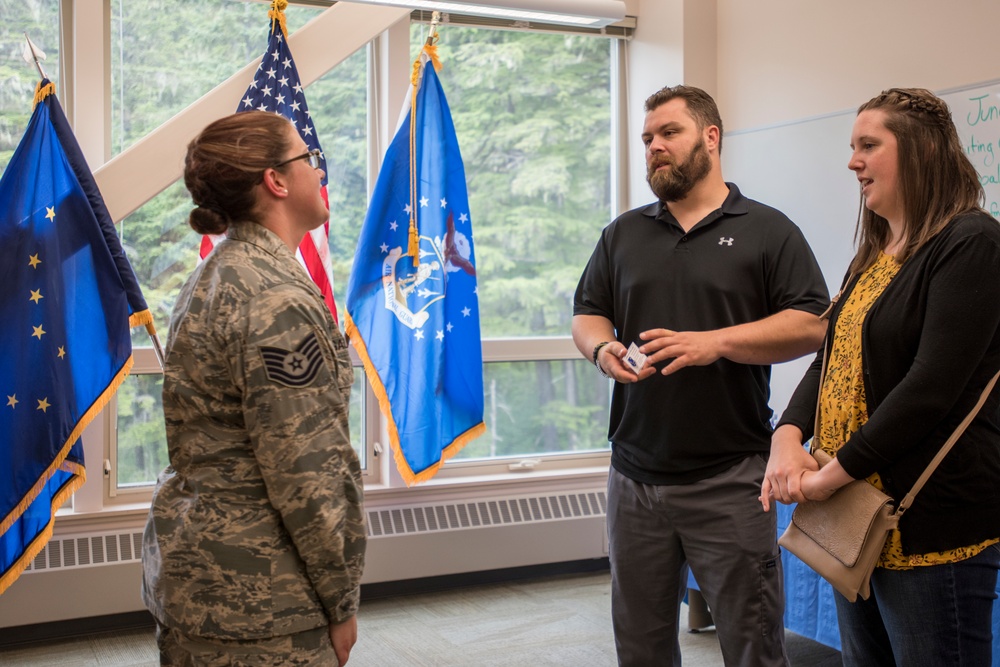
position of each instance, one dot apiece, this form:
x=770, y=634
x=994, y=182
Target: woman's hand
x=343, y=637
x=785, y=467
x=821, y=485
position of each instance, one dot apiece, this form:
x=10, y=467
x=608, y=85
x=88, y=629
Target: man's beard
x=675, y=183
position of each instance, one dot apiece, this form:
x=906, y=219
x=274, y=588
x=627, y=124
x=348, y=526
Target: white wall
x=674, y=43
x=780, y=60
x=791, y=74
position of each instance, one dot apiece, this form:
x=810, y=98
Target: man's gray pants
x=717, y=527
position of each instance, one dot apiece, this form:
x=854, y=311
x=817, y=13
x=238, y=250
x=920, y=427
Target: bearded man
x=713, y=287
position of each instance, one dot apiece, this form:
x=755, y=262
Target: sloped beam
x=147, y=167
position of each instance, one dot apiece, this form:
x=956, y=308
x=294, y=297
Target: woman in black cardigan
x=913, y=341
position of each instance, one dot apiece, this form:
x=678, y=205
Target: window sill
x=479, y=486
x=130, y=516
x=110, y=518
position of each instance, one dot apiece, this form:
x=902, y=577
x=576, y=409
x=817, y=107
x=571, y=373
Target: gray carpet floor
x=558, y=621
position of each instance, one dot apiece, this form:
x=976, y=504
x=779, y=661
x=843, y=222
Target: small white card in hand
x=635, y=359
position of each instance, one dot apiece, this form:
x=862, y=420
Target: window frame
x=543, y=348
x=92, y=116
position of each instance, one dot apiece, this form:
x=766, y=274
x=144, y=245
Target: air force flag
x=413, y=310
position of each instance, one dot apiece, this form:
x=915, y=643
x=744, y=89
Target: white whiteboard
x=977, y=116
x=801, y=169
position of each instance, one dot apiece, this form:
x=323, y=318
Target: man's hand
x=785, y=468
x=610, y=358
x=686, y=348
x=784, y=336
x=343, y=636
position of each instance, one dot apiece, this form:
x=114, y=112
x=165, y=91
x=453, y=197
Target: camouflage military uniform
x=256, y=530
x=311, y=648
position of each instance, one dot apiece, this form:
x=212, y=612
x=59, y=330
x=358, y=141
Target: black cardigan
x=929, y=345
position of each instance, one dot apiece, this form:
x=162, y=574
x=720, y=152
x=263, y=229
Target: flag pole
x=157, y=347
x=31, y=47
x=435, y=21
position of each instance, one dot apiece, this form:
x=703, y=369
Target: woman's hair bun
x=206, y=220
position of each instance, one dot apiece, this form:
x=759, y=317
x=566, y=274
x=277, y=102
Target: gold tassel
x=432, y=52
x=413, y=245
x=277, y=13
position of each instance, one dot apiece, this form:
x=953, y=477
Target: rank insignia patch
x=293, y=368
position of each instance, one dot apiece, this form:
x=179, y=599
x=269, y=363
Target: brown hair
x=700, y=105
x=936, y=180
x=226, y=161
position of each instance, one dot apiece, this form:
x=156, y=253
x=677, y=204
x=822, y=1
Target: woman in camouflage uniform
x=255, y=542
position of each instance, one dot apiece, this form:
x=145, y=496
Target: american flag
x=276, y=87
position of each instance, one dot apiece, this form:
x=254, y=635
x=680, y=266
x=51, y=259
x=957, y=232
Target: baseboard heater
x=109, y=548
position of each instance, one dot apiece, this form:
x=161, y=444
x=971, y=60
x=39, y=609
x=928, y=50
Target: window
x=40, y=20
x=542, y=407
x=532, y=112
x=142, y=441
x=538, y=166
x=158, y=69
x=164, y=57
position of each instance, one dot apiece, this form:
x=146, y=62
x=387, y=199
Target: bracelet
x=597, y=350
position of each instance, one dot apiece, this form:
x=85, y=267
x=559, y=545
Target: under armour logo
x=723, y=239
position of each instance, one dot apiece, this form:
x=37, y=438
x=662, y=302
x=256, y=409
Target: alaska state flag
x=276, y=87
x=415, y=320
x=67, y=301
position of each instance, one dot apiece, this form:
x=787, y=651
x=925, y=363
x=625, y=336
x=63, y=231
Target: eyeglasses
x=313, y=156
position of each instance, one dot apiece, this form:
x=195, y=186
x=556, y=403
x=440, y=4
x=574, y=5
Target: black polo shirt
x=742, y=263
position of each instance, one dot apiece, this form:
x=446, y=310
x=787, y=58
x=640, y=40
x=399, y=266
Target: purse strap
x=945, y=448
x=825, y=315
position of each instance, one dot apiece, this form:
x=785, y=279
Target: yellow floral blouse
x=843, y=409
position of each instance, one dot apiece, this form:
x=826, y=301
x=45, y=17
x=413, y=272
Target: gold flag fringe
x=74, y=435
x=58, y=464
x=143, y=317
x=36, y=546
x=402, y=465
x=41, y=92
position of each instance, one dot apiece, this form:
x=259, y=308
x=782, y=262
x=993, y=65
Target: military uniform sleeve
x=297, y=377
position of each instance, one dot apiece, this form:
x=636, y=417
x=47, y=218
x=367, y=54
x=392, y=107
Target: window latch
x=524, y=465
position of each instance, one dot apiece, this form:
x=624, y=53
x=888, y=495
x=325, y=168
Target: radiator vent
x=88, y=551
x=98, y=549
x=485, y=513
